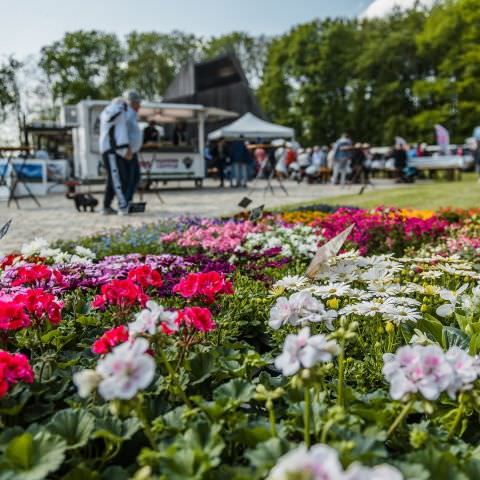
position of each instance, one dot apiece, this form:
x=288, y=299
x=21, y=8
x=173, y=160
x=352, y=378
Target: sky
x=27, y=25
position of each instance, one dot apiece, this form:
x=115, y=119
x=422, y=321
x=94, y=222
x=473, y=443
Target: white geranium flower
x=49, y=252
x=417, y=369
x=319, y=463
x=126, y=370
x=147, y=320
x=34, y=247
x=357, y=471
x=84, y=252
x=300, y=308
x=466, y=370
x=86, y=381
x=62, y=257
x=302, y=350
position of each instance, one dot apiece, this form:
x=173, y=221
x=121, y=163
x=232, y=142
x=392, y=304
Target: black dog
x=83, y=200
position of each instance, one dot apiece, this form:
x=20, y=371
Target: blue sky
x=29, y=24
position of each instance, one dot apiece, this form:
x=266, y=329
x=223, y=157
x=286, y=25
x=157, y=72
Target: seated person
x=150, y=133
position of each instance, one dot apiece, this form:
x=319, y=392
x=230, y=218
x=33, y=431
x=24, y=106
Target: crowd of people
x=239, y=161
x=340, y=163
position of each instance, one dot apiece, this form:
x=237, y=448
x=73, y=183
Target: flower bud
x=333, y=303
x=418, y=437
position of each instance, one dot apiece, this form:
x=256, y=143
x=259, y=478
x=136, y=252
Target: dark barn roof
x=219, y=83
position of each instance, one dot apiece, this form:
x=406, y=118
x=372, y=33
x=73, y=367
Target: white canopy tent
x=251, y=127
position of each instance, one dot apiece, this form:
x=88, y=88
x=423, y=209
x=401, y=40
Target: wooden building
x=220, y=82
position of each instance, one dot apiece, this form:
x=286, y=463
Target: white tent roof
x=252, y=127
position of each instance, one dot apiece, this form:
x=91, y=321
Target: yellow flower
x=333, y=303
x=389, y=327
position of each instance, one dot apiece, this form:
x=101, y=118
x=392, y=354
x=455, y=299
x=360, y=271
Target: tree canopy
x=376, y=78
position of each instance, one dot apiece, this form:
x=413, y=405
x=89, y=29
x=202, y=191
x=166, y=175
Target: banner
x=443, y=138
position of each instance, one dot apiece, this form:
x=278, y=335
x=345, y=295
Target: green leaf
x=201, y=366
x=266, y=454
x=20, y=451
x=474, y=346
x=452, y=336
x=431, y=325
x=237, y=390
x=32, y=457
x=75, y=426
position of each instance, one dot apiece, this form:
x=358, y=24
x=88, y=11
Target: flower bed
x=200, y=349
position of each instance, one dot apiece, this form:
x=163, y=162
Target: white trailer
x=175, y=157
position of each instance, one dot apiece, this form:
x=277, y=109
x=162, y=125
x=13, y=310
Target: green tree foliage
x=154, y=58
x=376, y=78
x=84, y=64
x=9, y=94
x=330, y=76
x=449, y=45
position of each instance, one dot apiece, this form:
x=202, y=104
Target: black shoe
x=109, y=211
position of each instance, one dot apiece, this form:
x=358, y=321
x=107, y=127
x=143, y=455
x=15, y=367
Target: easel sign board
x=40, y=176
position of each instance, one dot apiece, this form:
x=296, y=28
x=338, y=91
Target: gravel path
x=58, y=219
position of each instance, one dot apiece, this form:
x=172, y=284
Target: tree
x=154, y=58
x=9, y=92
x=386, y=68
x=84, y=64
x=450, y=93
x=307, y=77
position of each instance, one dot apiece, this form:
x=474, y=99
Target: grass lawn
x=429, y=196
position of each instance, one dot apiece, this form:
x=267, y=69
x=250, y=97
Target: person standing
x=115, y=148
x=135, y=137
x=150, y=133
x=221, y=156
x=240, y=158
x=400, y=161
x=341, y=159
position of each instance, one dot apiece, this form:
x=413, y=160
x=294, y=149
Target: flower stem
x=326, y=430
x=271, y=417
x=400, y=418
x=341, y=376
x=306, y=418
x=174, y=378
x=146, y=425
x=456, y=421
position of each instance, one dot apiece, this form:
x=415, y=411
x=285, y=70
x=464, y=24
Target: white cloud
x=380, y=8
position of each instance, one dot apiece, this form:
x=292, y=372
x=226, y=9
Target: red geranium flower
x=35, y=274
x=123, y=293
x=198, y=317
x=145, y=277
x=40, y=303
x=206, y=285
x=13, y=315
x=14, y=368
x=110, y=339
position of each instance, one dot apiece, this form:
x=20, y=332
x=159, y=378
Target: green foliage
x=9, y=93
x=32, y=456
x=83, y=64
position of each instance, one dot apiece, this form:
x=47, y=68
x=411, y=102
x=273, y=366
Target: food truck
x=177, y=155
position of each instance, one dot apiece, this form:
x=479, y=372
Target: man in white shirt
x=114, y=146
x=135, y=138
